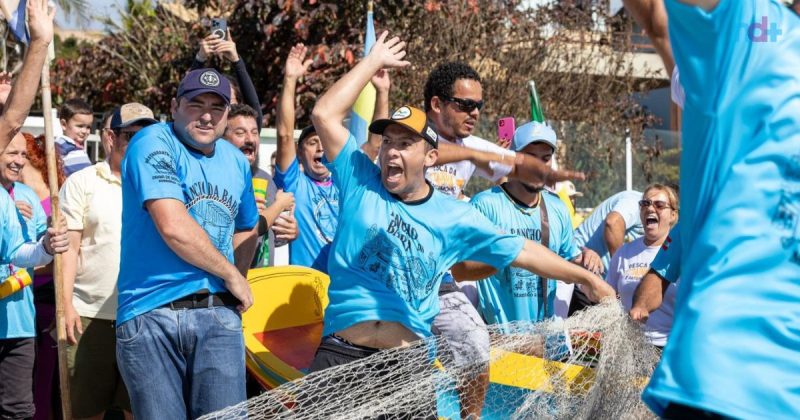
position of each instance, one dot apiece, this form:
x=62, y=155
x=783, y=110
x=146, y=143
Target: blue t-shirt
x=735, y=342
x=590, y=233
x=388, y=257
x=316, y=211
x=513, y=294
x=218, y=193
x=19, y=315
x=668, y=260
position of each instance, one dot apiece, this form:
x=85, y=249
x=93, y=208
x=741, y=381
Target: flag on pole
x=361, y=114
x=14, y=13
x=536, y=105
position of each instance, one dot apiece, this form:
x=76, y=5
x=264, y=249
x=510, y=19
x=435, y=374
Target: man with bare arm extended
x=386, y=264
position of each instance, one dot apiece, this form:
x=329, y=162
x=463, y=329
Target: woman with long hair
x=658, y=210
x=45, y=382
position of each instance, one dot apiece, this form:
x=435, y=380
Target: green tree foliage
x=560, y=47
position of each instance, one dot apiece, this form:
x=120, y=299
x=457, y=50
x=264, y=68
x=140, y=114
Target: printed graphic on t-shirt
x=163, y=168
x=787, y=215
x=445, y=179
x=395, y=255
x=214, y=209
x=524, y=283
x=325, y=205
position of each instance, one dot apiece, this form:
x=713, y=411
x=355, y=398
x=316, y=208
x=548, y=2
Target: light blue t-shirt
x=668, y=260
x=735, y=342
x=388, y=257
x=316, y=211
x=218, y=193
x=19, y=315
x=590, y=233
x=513, y=294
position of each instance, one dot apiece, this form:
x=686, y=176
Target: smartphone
x=219, y=27
x=505, y=128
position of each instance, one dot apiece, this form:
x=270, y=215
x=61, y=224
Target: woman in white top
x=658, y=210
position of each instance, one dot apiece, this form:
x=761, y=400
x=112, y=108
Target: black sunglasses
x=465, y=105
x=658, y=204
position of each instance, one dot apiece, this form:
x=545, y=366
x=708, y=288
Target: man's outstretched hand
x=40, y=20
x=389, y=53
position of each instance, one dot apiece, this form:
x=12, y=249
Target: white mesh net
x=592, y=365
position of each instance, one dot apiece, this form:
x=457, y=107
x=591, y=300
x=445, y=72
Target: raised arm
x=333, y=106
x=294, y=69
x=517, y=166
x=382, y=85
x=23, y=93
x=652, y=17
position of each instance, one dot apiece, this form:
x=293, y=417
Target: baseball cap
x=409, y=117
x=570, y=189
x=306, y=133
x=201, y=81
x=533, y=132
x=132, y=113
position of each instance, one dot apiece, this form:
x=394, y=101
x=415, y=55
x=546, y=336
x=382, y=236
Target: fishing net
x=591, y=365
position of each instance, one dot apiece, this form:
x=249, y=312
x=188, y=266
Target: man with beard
x=316, y=195
x=530, y=211
x=273, y=229
x=453, y=103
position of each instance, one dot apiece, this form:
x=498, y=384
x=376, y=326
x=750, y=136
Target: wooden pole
x=58, y=278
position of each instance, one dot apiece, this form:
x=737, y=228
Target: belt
x=203, y=300
x=449, y=287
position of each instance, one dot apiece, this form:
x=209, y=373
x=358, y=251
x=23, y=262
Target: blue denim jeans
x=181, y=364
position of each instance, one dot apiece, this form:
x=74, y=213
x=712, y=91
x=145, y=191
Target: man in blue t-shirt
x=530, y=211
x=386, y=264
x=733, y=347
x=316, y=195
x=189, y=222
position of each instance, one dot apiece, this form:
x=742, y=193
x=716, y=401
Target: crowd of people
x=157, y=239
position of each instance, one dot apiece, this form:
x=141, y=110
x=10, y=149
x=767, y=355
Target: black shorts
x=391, y=366
x=16, y=377
x=680, y=412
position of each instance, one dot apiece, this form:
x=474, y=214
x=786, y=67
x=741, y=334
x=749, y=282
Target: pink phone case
x=505, y=128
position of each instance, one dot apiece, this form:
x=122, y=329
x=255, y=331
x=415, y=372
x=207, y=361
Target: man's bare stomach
x=378, y=334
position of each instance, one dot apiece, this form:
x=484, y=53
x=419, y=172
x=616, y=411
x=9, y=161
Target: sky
x=98, y=8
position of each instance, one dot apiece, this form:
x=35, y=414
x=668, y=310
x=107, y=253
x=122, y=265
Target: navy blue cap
x=201, y=81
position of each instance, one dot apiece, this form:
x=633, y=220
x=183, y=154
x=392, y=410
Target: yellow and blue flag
x=361, y=114
x=14, y=13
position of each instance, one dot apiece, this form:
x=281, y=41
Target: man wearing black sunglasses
x=453, y=102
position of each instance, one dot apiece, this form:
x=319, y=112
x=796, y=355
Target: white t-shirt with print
x=629, y=264
x=451, y=178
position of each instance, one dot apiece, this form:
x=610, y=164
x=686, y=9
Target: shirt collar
x=104, y=171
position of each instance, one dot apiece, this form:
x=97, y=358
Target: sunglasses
x=465, y=105
x=658, y=204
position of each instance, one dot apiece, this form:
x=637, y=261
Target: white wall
x=269, y=136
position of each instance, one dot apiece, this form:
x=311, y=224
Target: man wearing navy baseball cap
x=188, y=236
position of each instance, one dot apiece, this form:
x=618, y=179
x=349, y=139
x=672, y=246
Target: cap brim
x=379, y=126
x=194, y=93
x=140, y=121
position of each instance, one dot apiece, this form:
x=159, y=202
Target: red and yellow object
x=14, y=283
